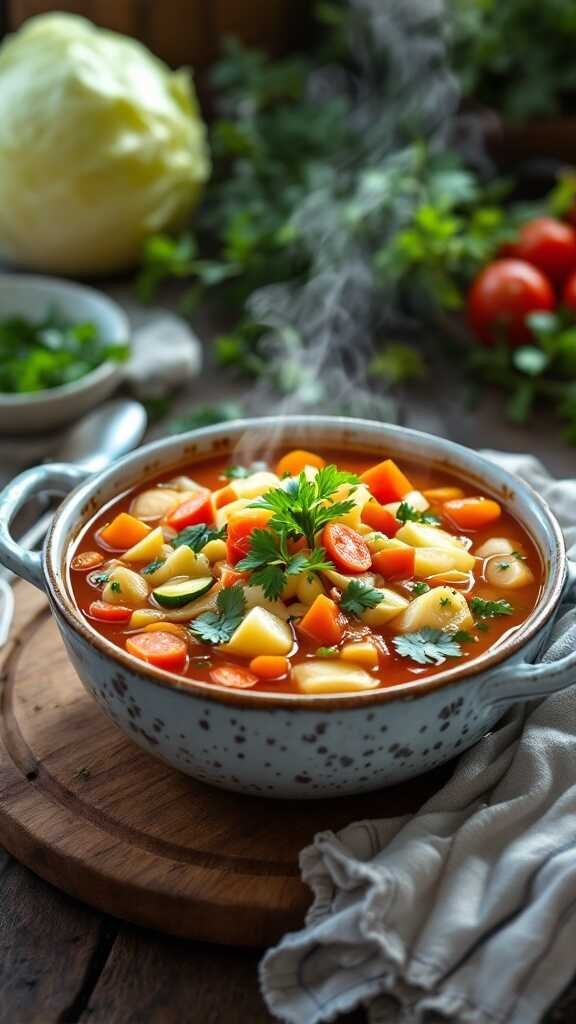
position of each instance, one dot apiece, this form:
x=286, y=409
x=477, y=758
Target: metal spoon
x=94, y=442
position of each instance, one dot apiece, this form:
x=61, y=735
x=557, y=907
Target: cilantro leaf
x=407, y=513
x=427, y=646
x=490, y=609
x=300, y=507
x=217, y=627
x=152, y=566
x=326, y=652
x=462, y=636
x=100, y=579
x=419, y=588
x=270, y=563
x=196, y=537
x=236, y=472
x=359, y=596
x=115, y=587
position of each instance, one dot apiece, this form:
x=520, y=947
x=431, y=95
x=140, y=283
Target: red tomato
x=189, y=513
x=500, y=298
x=550, y=245
x=347, y=548
x=569, y=294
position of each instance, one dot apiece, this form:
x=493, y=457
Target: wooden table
x=61, y=962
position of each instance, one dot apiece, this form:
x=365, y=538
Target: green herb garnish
x=359, y=596
x=298, y=507
x=153, y=566
x=490, y=609
x=217, y=627
x=407, y=513
x=461, y=636
x=236, y=472
x=197, y=537
x=445, y=602
x=427, y=646
x=115, y=587
x=100, y=580
x=501, y=566
x=518, y=556
x=419, y=588
x=269, y=562
x=326, y=652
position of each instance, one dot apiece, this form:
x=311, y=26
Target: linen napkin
x=466, y=911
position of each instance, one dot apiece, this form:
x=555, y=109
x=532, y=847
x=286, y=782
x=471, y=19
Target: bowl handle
x=53, y=478
x=525, y=681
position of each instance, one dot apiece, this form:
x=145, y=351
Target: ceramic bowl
x=289, y=745
x=32, y=296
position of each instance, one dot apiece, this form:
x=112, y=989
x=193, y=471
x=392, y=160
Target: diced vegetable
x=141, y=618
x=196, y=510
x=260, y=632
x=148, y=549
x=268, y=666
x=512, y=573
x=394, y=563
x=123, y=532
x=387, y=482
x=362, y=653
x=235, y=676
x=438, y=495
x=254, y=596
x=342, y=580
x=415, y=499
x=231, y=509
x=441, y=608
x=252, y=486
x=181, y=592
x=294, y=462
x=323, y=621
x=346, y=548
x=229, y=577
x=224, y=496
x=215, y=550
x=181, y=562
x=432, y=561
x=167, y=627
x=495, y=546
x=154, y=503
x=240, y=526
x=421, y=536
x=162, y=649
x=125, y=587
x=359, y=495
x=379, y=518
x=109, y=612
x=331, y=675
x=391, y=605
x=472, y=513
x=308, y=588
x=86, y=560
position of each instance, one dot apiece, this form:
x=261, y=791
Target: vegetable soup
x=320, y=574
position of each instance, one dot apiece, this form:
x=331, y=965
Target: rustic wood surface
x=61, y=962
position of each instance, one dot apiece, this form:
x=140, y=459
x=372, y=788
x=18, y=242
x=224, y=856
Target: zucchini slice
x=176, y=595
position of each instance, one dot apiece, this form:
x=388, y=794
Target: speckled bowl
x=287, y=745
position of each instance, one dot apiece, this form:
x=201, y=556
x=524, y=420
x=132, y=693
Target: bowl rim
x=99, y=374
x=255, y=699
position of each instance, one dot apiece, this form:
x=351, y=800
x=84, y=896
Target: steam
x=320, y=331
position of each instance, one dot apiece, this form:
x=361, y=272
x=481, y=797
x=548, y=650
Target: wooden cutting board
x=88, y=811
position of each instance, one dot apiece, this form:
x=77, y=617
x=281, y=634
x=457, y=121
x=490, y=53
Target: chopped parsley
x=236, y=473
x=359, y=596
x=100, y=579
x=153, y=566
x=445, y=602
x=502, y=566
x=427, y=646
x=419, y=588
x=270, y=563
x=217, y=627
x=301, y=508
x=196, y=537
x=482, y=626
x=327, y=652
x=461, y=636
x=490, y=609
x=518, y=556
x=115, y=587
x=407, y=513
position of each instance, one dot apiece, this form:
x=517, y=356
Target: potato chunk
x=418, y=535
x=361, y=653
x=215, y=550
x=125, y=587
x=255, y=485
x=309, y=588
x=391, y=605
x=260, y=632
x=440, y=608
x=223, y=514
x=254, y=595
x=341, y=580
x=432, y=561
x=414, y=498
x=148, y=549
x=332, y=676
x=154, y=503
x=360, y=495
x=495, y=546
x=182, y=562
x=512, y=573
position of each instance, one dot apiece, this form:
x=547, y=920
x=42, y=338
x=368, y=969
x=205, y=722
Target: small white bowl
x=32, y=296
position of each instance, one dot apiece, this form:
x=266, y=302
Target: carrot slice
x=196, y=510
x=379, y=518
x=386, y=481
x=105, y=612
x=229, y=577
x=224, y=496
x=86, y=560
x=323, y=621
x=269, y=666
x=472, y=513
x=346, y=548
x=162, y=649
x=233, y=675
x=394, y=563
x=123, y=532
x=240, y=526
x=438, y=495
x=294, y=462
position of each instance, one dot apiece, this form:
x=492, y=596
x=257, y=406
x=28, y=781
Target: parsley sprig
x=270, y=562
x=359, y=596
x=196, y=537
x=217, y=627
x=302, y=507
x=407, y=513
x=490, y=609
x=237, y=472
x=427, y=646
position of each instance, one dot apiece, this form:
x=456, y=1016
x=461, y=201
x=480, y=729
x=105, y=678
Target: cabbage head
x=100, y=146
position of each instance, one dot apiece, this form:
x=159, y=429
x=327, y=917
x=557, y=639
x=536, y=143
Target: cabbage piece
x=100, y=146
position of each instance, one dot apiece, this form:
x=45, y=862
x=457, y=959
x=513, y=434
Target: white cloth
x=466, y=911
x=166, y=355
